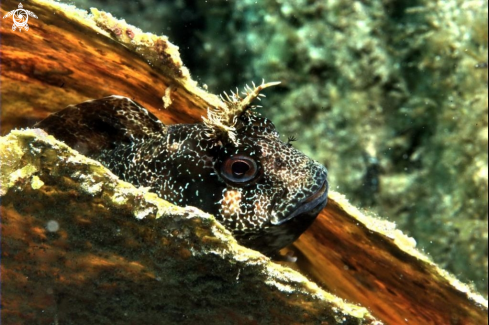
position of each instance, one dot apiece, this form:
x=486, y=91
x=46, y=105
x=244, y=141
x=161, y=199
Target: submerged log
x=111, y=250
x=68, y=56
x=80, y=246
x=368, y=261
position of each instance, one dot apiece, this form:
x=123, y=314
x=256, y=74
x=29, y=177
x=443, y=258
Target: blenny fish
x=233, y=165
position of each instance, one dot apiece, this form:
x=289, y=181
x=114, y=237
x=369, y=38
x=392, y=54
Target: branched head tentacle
x=290, y=139
x=222, y=122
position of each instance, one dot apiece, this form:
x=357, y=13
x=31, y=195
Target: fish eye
x=239, y=169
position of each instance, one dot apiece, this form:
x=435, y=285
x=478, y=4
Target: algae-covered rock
x=80, y=246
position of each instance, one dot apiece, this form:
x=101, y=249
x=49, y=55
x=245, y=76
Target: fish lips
x=311, y=205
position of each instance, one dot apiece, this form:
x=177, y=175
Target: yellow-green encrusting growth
x=124, y=239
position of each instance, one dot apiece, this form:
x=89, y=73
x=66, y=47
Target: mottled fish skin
x=263, y=190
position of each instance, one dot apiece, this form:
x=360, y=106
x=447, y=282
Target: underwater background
x=390, y=95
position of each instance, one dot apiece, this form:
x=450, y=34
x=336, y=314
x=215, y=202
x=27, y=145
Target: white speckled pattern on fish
x=262, y=189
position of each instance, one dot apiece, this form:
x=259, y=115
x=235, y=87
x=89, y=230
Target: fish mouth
x=310, y=205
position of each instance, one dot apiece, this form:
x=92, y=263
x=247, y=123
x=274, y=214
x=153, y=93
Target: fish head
x=272, y=191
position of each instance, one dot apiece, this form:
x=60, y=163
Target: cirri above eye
x=239, y=169
x=233, y=165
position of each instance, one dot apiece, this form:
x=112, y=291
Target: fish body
x=262, y=189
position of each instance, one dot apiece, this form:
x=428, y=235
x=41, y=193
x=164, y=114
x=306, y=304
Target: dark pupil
x=240, y=168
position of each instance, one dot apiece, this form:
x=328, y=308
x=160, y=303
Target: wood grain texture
x=369, y=262
x=80, y=246
x=67, y=58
